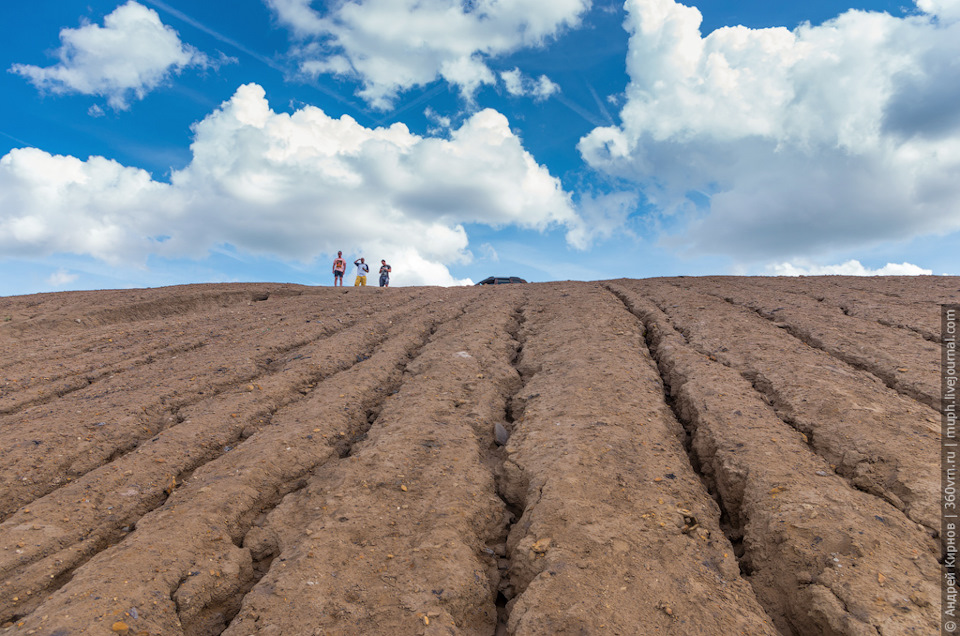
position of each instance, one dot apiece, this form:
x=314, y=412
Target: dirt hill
x=663, y=456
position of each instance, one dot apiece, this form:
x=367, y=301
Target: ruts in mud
x=669, y=456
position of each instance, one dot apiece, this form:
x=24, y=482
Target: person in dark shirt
x=385, y=273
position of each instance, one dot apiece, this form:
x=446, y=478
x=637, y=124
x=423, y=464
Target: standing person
x=362, y=270
x=384, y=273
x=339, y=269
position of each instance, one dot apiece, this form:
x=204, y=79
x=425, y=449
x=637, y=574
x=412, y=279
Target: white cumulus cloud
x=61, y=277
x=602, y=217
x=945, y=9
x=849, y=268
x=519, y=85
x=803, y=141
x=130, y=55
x=292, y=186
x=51, y=203
x=393, y=45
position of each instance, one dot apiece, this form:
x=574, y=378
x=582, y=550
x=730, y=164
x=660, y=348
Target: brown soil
x=665, y=456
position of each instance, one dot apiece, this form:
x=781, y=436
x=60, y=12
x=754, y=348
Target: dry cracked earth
x=663, y=456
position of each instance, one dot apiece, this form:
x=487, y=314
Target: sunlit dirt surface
x=661, y=456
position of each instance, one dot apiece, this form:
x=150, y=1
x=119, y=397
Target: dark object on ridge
x=501, y=280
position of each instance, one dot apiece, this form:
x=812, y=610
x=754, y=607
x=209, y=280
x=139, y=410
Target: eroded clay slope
x=664, y=456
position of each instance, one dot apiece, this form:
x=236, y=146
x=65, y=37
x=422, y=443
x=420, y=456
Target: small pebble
x=500, y=434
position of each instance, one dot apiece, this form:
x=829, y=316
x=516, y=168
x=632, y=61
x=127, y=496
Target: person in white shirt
x=362, y=270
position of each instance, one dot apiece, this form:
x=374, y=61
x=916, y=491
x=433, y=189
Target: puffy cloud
x=519, y=85
x=293, y=186
x=945, y=10
x=52, y=204
x=61, y=277
x=393, y=45
x=438, y=123
x=849, y=268
x=601, y=217
x=489, y=253
x=803, y=141
x=130, y=55
x=298, y=15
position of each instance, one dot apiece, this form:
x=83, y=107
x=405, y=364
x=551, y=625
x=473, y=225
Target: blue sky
x=147, y=143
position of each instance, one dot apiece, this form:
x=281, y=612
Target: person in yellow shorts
x=362, y=270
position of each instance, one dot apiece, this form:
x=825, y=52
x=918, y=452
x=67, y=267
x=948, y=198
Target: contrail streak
x=580, y=110
x=160, y=4
x=600, y=104
x=226, y=40
x=16, y=139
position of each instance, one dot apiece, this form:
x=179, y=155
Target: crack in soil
x=82, y=551
x=106, y=538
x=358, y=434
x=732, y=525
x=170, y=416
x=513, y=498
x=266, y=363
x=768, y=393
x=847, y=472
x=923, y=333
x=771, y=395
x=263, y=548
x=68, y=387
x=848, y=311
x=888, y=378
x=701, y=450
x=82, y=379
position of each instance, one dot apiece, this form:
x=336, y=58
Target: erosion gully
x=152, y=473
x=400, y=536
x=777, y=494
x=128, y=410
x=562, y=458
x=881, y=442
x=119, y=434
x=906, y=363
x=615, y=522
x=203, y=607
x=513, y=498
